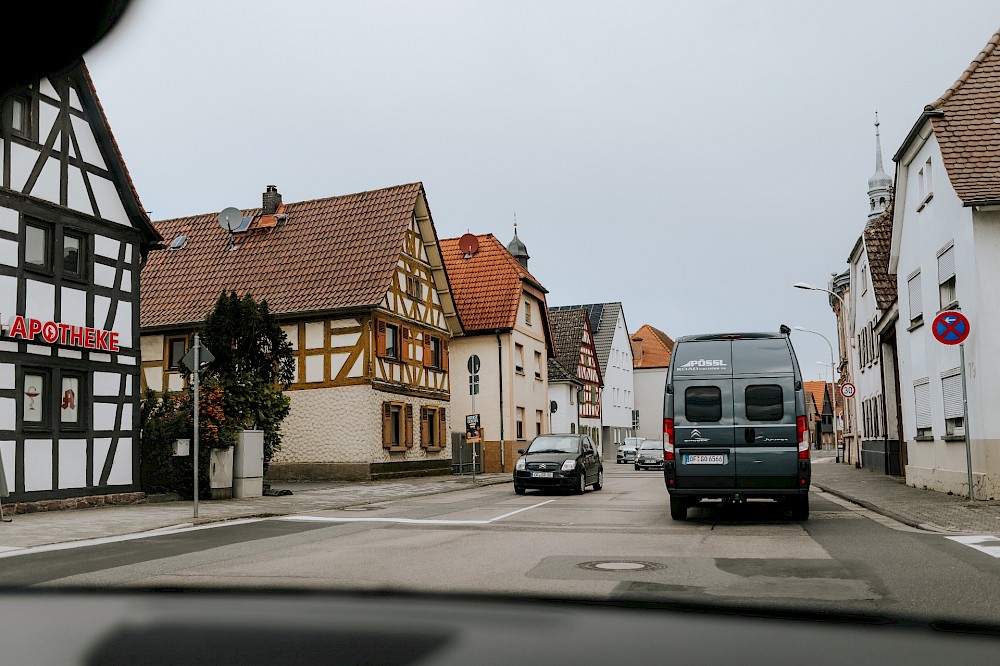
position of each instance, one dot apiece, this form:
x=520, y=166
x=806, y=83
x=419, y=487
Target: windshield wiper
x=550, y=451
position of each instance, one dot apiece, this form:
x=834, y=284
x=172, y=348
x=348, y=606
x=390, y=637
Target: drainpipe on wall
x=500, y=375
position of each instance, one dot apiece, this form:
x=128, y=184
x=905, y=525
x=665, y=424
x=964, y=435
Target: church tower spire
x=880, y=184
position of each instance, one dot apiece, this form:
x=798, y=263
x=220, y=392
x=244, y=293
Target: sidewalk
x=38, y=529
x=890, y=496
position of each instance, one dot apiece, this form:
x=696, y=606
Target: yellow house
x=358, y=284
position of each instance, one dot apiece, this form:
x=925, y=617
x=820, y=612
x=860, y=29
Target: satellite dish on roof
x=468, y=244
x=230, y=219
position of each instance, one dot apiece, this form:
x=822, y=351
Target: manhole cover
x=620, y=565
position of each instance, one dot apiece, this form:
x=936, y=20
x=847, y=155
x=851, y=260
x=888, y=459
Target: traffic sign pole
x=952, y=328
x=965, y=422
x=197, y=374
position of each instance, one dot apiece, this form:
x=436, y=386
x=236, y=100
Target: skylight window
x=178, y=242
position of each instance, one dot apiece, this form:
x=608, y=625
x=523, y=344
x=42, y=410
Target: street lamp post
x=833, y=383
x=843, y=305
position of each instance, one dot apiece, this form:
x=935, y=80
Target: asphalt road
x=617, y=543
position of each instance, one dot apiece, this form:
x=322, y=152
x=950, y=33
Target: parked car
x=650, y=455
x=627, y=450
x=734, y=419
x=559, y=461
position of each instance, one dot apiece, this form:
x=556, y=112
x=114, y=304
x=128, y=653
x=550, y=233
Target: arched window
x=572, y=428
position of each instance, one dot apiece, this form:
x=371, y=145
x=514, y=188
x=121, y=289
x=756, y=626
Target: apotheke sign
x=53, y=332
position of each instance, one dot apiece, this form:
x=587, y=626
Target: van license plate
x=701, y=459
x=542, y=475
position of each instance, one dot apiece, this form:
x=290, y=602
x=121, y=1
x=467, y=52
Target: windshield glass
x=555, y=445
x=286, y=287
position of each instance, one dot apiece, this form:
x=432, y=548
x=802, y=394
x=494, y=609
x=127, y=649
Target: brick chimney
x=271, y=200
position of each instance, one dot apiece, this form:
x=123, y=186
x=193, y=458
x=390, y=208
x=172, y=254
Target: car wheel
x=678, y=509
x=581, y=487
x=519, y=489
x=637, y=468
x=600, y=480
x=800, y=508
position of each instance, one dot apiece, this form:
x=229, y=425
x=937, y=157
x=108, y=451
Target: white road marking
x=406, y=521
x=985, y=544
x=14, y=551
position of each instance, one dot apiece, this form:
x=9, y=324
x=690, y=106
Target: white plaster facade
x=618, y=394
x=563, y=394
x=650, y=385
x=931, y=220
x=334, y=425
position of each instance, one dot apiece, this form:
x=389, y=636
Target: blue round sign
x=951, y=327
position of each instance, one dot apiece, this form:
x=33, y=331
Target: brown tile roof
x=567, y=328
x=559, y=373
x=651, y=348
x=966, y=128
x=329, y=254
x=878, y=240
x=815, y=390
x=487, y=286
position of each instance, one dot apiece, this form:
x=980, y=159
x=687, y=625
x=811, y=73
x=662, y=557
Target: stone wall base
x=356, y=471
x=985, y=486
x=89, y=501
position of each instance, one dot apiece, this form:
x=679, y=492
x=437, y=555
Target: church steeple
x=880, y=184
x=518, y=248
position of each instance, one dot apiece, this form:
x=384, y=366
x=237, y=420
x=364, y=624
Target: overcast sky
x=690, y=159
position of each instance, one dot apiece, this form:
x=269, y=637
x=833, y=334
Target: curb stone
x=883, y=511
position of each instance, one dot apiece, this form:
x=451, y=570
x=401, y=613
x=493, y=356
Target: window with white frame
x=946, y=278
x=864, y=279
x=922, y=407
x=954, y=410
x=913, y=291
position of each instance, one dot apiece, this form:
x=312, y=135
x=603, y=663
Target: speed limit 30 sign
x=847, y=390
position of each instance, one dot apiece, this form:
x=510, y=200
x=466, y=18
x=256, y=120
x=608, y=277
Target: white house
x=614, y=355
x=945, y=253
x=651, y=350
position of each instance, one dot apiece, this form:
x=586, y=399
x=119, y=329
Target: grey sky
x=691, y=159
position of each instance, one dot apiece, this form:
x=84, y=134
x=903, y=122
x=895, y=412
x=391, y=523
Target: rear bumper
x=723, y=487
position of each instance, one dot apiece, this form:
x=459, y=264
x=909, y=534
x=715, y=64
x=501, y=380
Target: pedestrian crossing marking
x=985, y=544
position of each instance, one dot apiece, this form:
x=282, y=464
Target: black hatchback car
x=559, y=461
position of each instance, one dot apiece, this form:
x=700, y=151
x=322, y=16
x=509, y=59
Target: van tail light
x=800, y=425
x=668, y=439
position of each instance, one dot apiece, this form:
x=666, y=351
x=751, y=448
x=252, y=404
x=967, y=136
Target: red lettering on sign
x=76, y=336
x=102, y=340
x=50, y=332
x=113, y=341
x=17, y=328
x=34, y=327
x=63, y=332
x=89, y=341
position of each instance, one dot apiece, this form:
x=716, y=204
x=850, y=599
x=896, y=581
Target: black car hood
x=550, y=457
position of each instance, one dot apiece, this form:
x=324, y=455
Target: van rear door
x=766, y=448
x=703, y=415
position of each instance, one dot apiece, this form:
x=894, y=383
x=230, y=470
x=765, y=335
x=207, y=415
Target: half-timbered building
x=574, y=342
x=358, y=285
x=73, y=237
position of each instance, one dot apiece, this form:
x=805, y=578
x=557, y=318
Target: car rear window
x=764, y=402
x=703, y=404
x=762, y=356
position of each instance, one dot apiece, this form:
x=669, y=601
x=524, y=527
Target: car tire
x=637, y=468
x=678, y=509
x=800, y=508
x=600, y=480
x=520, y=490
x=581, y=487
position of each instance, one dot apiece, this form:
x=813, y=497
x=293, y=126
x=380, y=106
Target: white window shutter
x=951, y=387
x=946, y=265
x=922, y=403
x=916, y=301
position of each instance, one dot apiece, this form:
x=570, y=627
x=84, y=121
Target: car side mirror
x=520, y=452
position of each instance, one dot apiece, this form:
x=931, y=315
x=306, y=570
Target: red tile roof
x=487, y=286
x=651, y=348
x=964, y=120
x=329, y=254
x=815, y=390
x=878, y=240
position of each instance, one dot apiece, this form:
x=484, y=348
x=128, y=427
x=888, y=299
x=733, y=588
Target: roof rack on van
x=730, y=336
